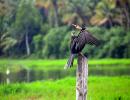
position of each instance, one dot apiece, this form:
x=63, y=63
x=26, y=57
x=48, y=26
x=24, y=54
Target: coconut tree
x=51, y=8
x=78, y=11
x=112, y=12
x=124, y=6
x=104, y=12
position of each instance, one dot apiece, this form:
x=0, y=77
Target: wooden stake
x=82, y=78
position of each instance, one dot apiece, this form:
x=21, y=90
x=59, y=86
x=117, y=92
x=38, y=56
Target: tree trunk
x=56, y=20
x=125, y=11
x=82, y=77
x=27, y=44
x=127, y=18
x=85, y=19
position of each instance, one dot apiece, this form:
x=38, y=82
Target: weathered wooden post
x=82, y=78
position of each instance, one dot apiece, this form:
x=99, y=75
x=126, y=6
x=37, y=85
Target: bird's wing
x=72, y=42
x=91, y=39
x=86, y=38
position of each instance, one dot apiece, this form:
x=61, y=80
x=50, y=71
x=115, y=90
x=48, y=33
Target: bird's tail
x=70, y=61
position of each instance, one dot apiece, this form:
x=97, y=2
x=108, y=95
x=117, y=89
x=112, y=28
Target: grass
x=57, y=64
x=99, y=88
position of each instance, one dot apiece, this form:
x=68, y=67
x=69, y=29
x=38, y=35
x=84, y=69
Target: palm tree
x=6, y=42
x=124, y=6
x=112, y=11
x=51, y=6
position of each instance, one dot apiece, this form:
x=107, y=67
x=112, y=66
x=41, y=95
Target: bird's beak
x=77, y=26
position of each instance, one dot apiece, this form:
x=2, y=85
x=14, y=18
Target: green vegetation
x=41, y=28
x=40, y=62
x=100, y=88
x=59, y=64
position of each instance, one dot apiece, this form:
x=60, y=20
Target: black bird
x=78, y=43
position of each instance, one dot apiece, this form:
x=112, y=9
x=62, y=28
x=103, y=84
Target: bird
x=78, y=43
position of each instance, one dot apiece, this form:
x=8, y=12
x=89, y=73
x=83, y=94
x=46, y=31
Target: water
x=25, y=75
x=28, y=75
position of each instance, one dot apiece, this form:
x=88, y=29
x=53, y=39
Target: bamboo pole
x=82, y=78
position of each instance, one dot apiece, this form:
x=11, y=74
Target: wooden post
x=82, y=77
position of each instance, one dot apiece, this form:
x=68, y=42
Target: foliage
x=38, y=44
x=115, y=88
x=41, y=28
x=65, y=45
x=53, y=42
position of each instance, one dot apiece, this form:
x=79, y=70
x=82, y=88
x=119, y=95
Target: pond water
x=32, y=75
x=27, y=75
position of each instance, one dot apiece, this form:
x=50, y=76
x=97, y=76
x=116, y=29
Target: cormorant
x=78, y=43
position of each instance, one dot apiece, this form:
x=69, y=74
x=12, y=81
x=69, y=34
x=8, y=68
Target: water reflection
x=28, y=75
x=25, y=75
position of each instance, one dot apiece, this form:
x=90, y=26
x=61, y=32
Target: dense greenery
x=114, y=88
x=42, y=28
x=59, y=64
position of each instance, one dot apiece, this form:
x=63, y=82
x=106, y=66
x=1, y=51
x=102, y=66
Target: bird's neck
x=82, y=30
